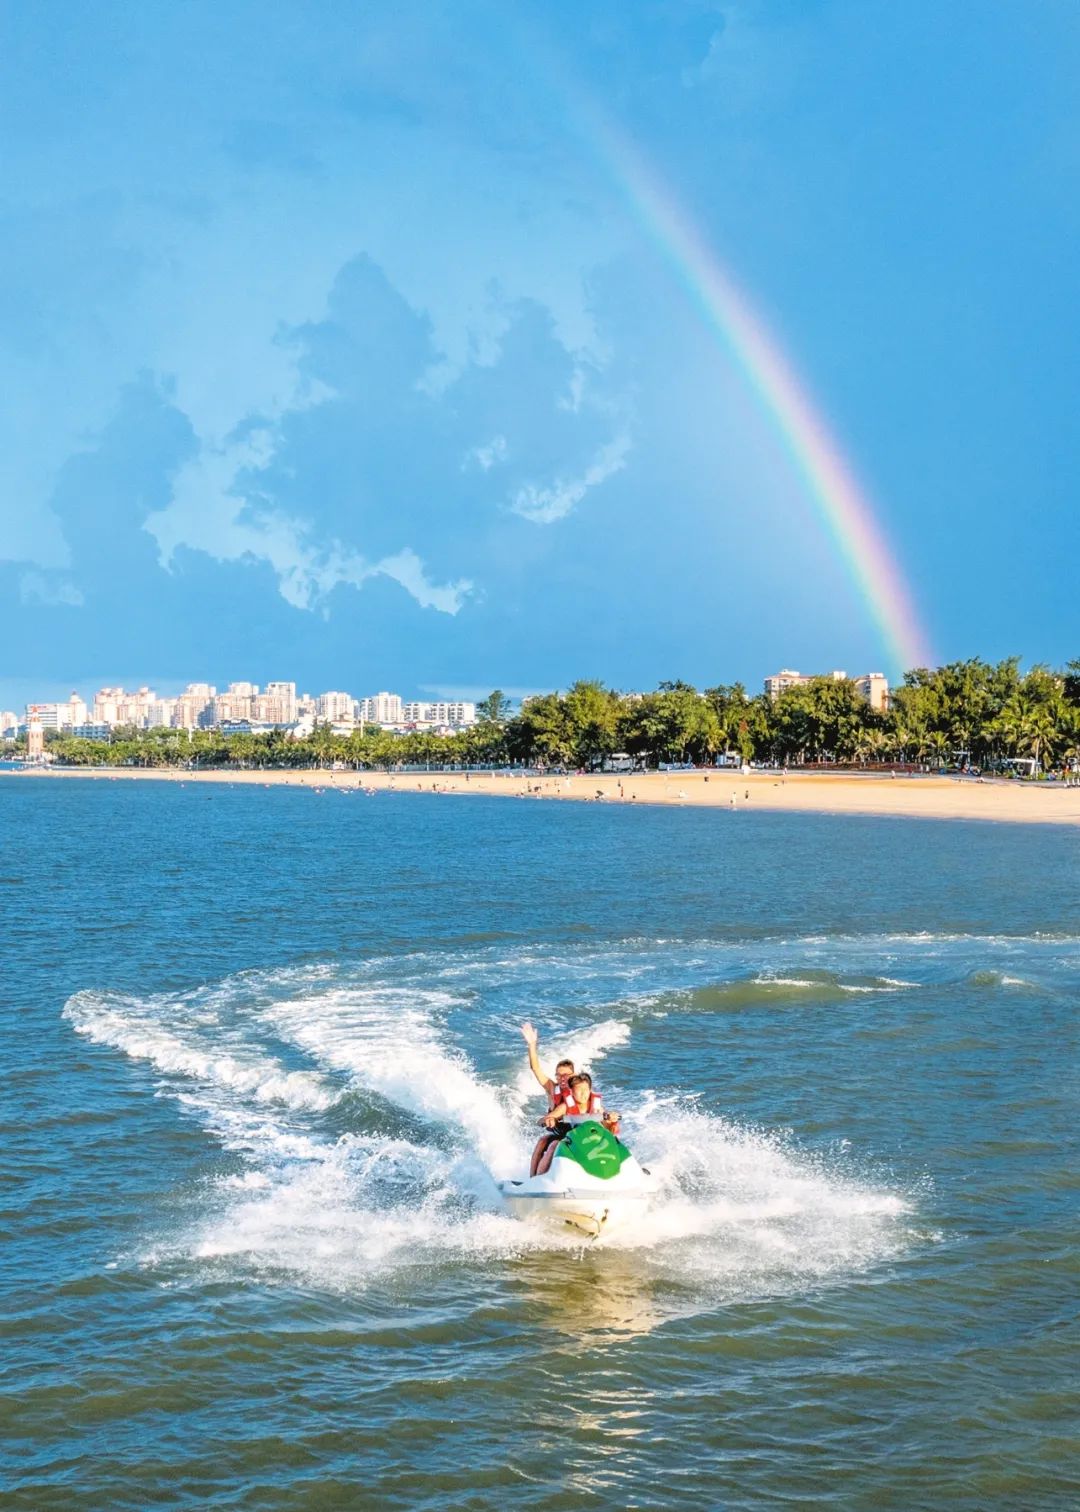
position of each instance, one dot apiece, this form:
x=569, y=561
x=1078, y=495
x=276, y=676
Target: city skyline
x=280, y=704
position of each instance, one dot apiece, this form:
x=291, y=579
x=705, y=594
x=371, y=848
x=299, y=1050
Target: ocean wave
x=769, y=989
x=988, y=979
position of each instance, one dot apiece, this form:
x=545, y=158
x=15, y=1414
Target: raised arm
x=529, y=1036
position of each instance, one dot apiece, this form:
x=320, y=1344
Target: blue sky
x=331, y=350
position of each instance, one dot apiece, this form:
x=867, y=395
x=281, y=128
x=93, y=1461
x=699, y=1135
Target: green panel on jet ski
x=594, y=1149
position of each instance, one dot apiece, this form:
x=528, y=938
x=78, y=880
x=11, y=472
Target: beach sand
x=821, y=793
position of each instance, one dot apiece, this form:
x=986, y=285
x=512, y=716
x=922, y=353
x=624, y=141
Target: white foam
x=882, y=984
x=785, y=981
x=131, y=1025
x=387, y=1039
x=367, y=1206
x=746, y=1213
x=738, y=1213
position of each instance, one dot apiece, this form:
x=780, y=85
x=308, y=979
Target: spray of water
x=738, y=1212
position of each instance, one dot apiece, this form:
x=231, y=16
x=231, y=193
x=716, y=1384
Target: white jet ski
x=592, y=1184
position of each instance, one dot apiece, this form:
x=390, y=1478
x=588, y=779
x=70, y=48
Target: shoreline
x=902, y=797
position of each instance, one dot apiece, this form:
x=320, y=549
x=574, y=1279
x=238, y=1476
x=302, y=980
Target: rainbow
x=840, y=502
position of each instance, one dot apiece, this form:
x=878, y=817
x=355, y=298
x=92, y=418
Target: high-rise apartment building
x=383, y=709
x=277, y=706
x=337, y=708
x=872, y=686
x=237, y=702
x=195, y=707
x=9, y=723
x=58, y=716
x=139, y=709
x=452, y=715
x=114, y=706
x=787, y=678
x=106, y=703
x=161, y=714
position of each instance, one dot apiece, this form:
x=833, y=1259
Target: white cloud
x=544, y=505
x=407, y=569
x=486, y=456
x=208, y=513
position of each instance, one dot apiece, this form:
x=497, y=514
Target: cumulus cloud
x=485, y=457
x=372, y=472
x=210, y=513
x=546, y=503
x=407, y=569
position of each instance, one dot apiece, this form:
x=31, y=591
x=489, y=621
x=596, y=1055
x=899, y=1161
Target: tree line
x=969, y=713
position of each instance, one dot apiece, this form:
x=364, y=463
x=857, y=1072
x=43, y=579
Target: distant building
x=440, y=714
x=35, y=739
x=106, y=703
x=277, y=706
x=58, y=716
x=114, y=706
x=195, y=707
x=337, y=708
x=45, y=715
x=237, y=703
x=9, y=724
x=781, y=681
x=91, y=732
x=243, y=727
x=162, y=714
x=382, y=709
x=872, y=686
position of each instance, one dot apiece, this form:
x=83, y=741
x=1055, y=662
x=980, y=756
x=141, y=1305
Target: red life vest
x=558, y=1091
x=594, y=1110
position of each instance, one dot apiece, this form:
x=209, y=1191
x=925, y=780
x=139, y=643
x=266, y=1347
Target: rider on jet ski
x=556, y=1089
x=558, y=1092
x=582, y=1103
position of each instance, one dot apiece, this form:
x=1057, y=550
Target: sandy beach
x=905, y=797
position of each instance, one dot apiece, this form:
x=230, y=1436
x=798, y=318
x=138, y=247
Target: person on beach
x=581, y=1103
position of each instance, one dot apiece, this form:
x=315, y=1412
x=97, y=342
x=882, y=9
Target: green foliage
x=970, y=711
x=494, y=709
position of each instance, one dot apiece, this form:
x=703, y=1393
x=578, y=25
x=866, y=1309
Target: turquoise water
x=261, y=1068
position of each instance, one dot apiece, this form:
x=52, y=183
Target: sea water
x=262, y=1068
